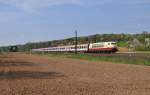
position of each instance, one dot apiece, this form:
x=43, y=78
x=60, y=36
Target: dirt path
x=22, y=74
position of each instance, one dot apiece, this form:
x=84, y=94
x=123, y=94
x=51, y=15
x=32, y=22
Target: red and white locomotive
x=99, y=47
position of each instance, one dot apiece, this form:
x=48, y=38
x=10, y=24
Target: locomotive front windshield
x=113, y=43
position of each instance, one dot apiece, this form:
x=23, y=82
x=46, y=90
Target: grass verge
x=140, y=59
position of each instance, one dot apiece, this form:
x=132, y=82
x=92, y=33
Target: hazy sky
x=24, y=21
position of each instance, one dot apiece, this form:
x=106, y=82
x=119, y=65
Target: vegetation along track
x=126, y=58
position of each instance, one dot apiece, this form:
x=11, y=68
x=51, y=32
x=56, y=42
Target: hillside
x=133, y=41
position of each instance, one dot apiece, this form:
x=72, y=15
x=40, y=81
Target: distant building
x=135, y=43
x=147, y=41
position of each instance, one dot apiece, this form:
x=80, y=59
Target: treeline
x=134, y=41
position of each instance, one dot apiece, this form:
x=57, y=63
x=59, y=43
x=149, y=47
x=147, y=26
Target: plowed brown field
x=22, y=74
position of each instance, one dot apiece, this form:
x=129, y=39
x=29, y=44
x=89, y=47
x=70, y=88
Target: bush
x=142, y=48
x=122, y=44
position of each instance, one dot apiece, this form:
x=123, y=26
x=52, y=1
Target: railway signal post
x=76, y=41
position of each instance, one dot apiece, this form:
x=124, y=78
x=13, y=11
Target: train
x=99, y=47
